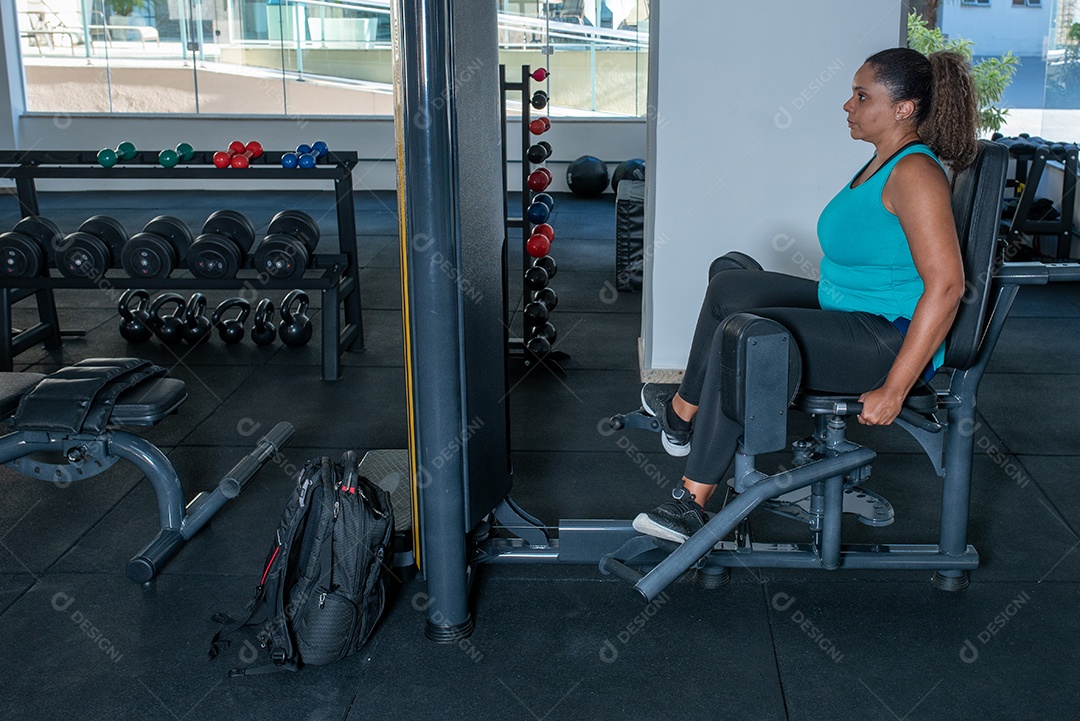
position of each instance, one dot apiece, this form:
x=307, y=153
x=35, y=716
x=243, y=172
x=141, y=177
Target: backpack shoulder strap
x=268, y=602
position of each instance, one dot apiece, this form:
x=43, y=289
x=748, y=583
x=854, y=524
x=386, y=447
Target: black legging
x=842, y=352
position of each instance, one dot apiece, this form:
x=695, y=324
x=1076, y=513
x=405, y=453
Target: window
x=978, y=2
x=303, y=57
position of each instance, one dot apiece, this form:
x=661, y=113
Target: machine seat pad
x=921, y=399
x=148, y=403
x=13, y=386
x=82, y=398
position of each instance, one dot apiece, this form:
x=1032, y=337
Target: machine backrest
x=977, y=198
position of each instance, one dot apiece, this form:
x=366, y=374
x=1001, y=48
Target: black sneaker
x=655, y=399
x=676, y=520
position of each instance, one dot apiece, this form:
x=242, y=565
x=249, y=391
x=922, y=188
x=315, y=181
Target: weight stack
x=629, y=234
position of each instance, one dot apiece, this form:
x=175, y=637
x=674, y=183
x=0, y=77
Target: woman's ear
x=905, y=109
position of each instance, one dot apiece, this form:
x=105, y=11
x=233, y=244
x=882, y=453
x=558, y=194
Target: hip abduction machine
x=828, y=470
x=66, y=427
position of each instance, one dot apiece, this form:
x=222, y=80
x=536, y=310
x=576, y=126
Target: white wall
x=748, y=142
x=998, y=27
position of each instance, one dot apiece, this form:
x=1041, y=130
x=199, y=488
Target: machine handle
x=906, y=414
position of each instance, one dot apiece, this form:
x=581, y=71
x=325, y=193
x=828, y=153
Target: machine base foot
x=442, y=633
x=712, y=577
x=950, y=582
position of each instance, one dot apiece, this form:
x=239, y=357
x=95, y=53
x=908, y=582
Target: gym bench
x=829, y=471
x=66, y=427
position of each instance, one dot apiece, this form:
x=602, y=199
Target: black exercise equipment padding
x=81, y=398
x=629, y=235
x=976, y=203
x=149, y=402
x=760, y=372
x=13, y=386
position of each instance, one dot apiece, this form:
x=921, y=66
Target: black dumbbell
x=538, y=153
x=197, y=326
x=26, y=250
x=548, y=297
x=548, y=264
x=538, y=346
x=220, y=250
x=263, y=330
x=548, y=332
x=168, y=328
x=536, y=278
x=92, y=249
x=155, y=252
x=290, y=242
x=539, y=100
x=231, y=330
x=295, y=326
x=542, y=334
x=536, y=314
x=135, y=316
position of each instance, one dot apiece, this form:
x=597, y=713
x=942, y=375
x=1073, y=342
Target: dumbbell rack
x=336, y=276
x=515, y=346
x=1025, y=183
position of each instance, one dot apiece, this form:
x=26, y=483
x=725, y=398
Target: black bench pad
x=144, y=404
x=13, y=386
x=147, y=404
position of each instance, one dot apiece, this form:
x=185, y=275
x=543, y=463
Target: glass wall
x=319, y=57
x=1043, y=96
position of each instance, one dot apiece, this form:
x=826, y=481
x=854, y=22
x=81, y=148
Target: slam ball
x=628, y=170
x=587, y=176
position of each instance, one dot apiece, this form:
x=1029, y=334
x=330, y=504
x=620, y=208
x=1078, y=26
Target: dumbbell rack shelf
x=336, y=275
x=515, y=346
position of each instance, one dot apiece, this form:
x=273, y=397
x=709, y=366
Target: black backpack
x=323, y=587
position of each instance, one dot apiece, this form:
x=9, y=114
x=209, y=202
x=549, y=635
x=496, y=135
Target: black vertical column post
x=430, y=238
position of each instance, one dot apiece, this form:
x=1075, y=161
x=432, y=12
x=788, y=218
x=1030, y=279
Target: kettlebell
x=168, y=328
x=134, y=317
x=295, y=326
x=197, y=326
x=263, y=331
x=231, y=330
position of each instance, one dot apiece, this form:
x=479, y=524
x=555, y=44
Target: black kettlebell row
x=141, y=319
x=164, y=244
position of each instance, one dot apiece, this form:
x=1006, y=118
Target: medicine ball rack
x=516, y=346
x=337, y=275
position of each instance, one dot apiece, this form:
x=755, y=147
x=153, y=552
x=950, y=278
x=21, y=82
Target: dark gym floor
x=80, y=641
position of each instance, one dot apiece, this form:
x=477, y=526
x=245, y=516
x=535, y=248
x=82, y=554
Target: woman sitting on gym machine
x=891, y=277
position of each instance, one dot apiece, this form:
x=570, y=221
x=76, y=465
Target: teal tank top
x=867, y=264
